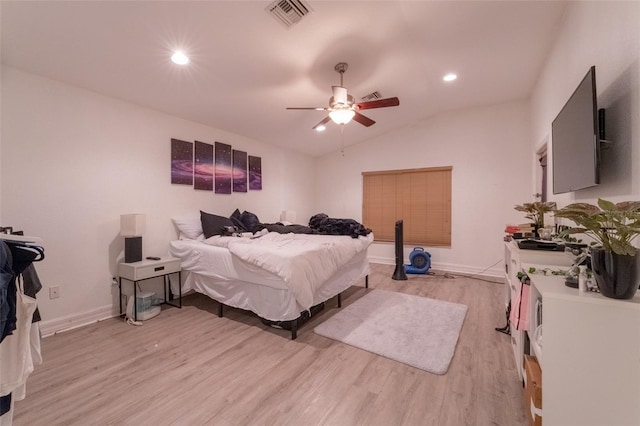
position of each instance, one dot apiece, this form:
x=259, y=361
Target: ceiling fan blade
x=322, y=123
x=379, y=103
x=364, y=120
x=309, y=108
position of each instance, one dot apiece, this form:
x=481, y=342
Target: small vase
x=617, y=275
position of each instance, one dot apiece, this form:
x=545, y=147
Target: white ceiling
x=246, y=67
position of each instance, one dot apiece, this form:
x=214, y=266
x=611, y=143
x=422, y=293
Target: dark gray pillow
x=213, y=224
x=235, y=218
x=249, y=220
x=238, y=224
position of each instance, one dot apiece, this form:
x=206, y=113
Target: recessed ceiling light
x=320, y=128
x=180, y=58
x=450, y=77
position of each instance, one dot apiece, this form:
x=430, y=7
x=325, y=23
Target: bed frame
x=293, y=325
x=238, y=286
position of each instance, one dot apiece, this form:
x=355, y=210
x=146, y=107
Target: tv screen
x=575, y=140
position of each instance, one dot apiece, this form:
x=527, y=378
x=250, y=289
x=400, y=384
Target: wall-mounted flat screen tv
x=575, y=140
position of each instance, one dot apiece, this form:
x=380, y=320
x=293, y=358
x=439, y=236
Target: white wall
x=73, y=161
x=607, y=35
x=488, y=148
x=492, y=149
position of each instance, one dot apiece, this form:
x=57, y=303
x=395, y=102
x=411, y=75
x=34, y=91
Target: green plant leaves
x=612, y=225
x=606, y=205
x=536, y=210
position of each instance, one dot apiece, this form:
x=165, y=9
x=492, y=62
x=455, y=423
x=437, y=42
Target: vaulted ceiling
x=246, y=67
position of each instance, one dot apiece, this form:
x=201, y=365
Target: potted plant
x=613, y=226
x=535, y=211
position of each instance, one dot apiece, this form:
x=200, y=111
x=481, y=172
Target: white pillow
x=181, y=236
x=190, y=226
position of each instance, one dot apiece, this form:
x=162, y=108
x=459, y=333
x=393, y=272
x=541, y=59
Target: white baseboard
x=58, y=325
x=70, y=322
x=495, y=272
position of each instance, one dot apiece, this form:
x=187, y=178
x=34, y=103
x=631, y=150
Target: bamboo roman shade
x=420, y=197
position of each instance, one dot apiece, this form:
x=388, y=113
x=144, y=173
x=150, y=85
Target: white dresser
x=590, y=355
x=514, y=258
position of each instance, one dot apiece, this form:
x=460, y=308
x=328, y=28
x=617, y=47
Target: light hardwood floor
x=189, y=367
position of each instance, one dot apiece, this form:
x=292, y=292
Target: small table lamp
x=132, y=228
x=288, y=216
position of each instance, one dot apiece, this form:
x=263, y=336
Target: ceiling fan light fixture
x=342, y=116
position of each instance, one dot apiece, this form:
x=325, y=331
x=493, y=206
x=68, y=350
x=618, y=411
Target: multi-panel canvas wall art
x=255, y=172
x=181, y=162
x=239, y=171
x=224, y=169
x=217, y=167
x=203, y=170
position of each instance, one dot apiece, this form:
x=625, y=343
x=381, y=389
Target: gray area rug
x=414, y=330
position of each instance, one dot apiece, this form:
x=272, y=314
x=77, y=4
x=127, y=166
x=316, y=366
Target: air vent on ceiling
x=288, y=12
x=372, y=96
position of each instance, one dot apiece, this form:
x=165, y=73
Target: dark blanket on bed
x=326, y=225
x=286, y=229
x=320, y=224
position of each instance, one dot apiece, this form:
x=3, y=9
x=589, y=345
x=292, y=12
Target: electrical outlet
x=54, y=292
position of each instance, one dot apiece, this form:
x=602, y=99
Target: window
x=419, y=197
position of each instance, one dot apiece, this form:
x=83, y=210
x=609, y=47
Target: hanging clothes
x=519, y=315
x=32, y=285
x=7, y=309
x=20, y=335
x=15, y=352
x=7, y=292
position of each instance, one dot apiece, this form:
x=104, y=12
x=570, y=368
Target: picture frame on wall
x=217, y=167
x=203, y=166
x=239, y=171
x=223, y=169
x=255, y=173
x=181, y=162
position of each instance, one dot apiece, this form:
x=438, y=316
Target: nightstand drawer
x=148, y=268
x=155, y=270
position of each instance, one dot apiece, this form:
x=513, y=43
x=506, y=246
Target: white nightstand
x=146, y=269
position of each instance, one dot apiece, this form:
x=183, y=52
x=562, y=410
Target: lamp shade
x=132, y=225
x=288, y=216
x=342, y=115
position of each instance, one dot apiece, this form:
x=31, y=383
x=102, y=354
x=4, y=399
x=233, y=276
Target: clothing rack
x=20, y=343
x=19, y=238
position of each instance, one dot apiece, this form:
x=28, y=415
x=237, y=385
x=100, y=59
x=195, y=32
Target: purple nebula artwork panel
x=203, y=166
x=239, y=171
x=181, y=162
x=224, y=168
x=255, y=172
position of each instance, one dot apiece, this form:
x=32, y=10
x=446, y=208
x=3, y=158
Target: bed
x=283, y=278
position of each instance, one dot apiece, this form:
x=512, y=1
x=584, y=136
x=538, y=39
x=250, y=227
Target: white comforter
x=302, y=261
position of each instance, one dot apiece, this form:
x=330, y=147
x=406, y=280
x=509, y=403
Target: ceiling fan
x=343, y=108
